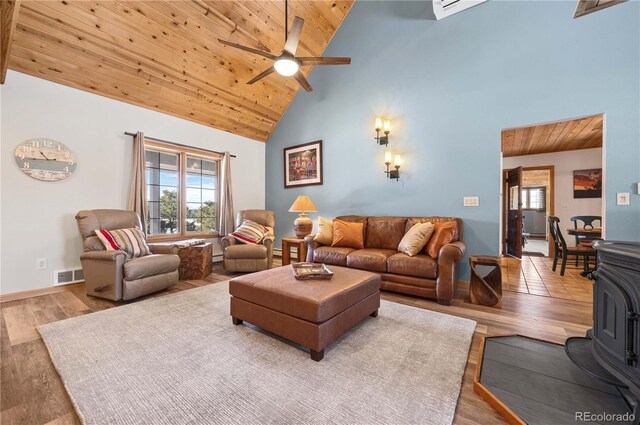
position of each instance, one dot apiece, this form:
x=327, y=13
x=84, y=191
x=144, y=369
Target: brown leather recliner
x=419, y=275
x=240, y=257
x=108, y=274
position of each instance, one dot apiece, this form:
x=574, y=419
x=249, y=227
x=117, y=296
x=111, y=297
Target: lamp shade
x=302, y=204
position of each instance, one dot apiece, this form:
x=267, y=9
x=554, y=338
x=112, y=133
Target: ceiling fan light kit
x=287, y=64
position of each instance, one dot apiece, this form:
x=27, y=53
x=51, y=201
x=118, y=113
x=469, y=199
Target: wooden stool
x=487, y=289
x=287, y=244
x=195, y=261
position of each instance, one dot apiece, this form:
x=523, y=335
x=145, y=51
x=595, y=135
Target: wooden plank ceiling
x=581, y=133
x=165, y=55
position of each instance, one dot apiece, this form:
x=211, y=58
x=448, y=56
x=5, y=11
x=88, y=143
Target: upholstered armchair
x=240, y=257
x=109, y=274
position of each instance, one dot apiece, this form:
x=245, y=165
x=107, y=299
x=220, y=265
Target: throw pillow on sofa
x=250, y=232
x=325, y=231
x=416, y=238
x=347, y=234
x=443, y=233
x=131, y=241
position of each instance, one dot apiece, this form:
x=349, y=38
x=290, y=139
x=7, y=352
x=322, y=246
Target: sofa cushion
x=371, y=259
x=331, y=255
x=325, y=231
x=385, y=232
x=411, y=221
x=420, y=265
x=349, y=235
x=415, y=239
x=131, y=241
x=245, y=251
x=150, y=265
x=443, y=233
x=250, y=232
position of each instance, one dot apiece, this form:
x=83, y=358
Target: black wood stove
x=611, y=350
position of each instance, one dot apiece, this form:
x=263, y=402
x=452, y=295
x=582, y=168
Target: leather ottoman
x=312, y=313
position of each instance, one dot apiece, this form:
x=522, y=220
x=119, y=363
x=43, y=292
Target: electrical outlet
x=564, y=206
x=471, y=201
x=41, y=264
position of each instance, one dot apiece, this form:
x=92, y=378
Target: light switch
x=471, y=201
x=622, y=198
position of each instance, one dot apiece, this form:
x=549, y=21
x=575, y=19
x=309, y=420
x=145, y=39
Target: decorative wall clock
x=45, y=159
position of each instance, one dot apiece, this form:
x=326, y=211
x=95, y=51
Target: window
x=181, y=191
x=534, y=198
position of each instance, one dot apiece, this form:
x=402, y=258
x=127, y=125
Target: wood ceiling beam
x=9, y=10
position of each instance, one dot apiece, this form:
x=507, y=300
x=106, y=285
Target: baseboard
x=15, y=296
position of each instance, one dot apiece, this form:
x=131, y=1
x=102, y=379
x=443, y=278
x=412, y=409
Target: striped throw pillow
x=131, y=241
x=250, y=232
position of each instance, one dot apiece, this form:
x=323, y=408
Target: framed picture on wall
x=587, y=183
x=303, y=164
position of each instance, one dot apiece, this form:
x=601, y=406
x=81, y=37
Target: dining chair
x=562, y=251
x=587, y=224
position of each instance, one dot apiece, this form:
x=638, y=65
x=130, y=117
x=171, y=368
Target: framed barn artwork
x=303, y=165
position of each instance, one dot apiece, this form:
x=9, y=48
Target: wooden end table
x=287, y=244
x=486, y=289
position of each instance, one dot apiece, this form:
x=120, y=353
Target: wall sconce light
x=386, y=126
x=397, y=161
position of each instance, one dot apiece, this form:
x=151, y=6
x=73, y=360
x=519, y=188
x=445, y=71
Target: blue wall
x=450, y=87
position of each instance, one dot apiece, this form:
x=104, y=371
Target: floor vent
x=64, y=277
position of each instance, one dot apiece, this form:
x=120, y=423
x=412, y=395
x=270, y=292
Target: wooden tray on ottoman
x=312, y=313
x=306, y=271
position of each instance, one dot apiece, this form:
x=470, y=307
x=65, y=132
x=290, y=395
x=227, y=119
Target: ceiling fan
x=287, y=64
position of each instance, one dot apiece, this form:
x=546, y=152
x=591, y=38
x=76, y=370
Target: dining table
x=590, y=233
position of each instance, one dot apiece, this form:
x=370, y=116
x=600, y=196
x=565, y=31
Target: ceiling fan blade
x=324, y=61
x=248, y=49
x=303, y=81
x=294, y=36
x=261, y=75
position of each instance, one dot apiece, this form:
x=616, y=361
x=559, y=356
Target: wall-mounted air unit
x=444, y=8
x=65, y=277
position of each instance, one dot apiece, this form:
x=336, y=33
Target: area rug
x=178, y=359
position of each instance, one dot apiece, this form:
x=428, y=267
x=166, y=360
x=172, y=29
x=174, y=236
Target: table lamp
x=303, y=224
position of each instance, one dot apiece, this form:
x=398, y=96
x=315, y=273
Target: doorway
x=537, y=204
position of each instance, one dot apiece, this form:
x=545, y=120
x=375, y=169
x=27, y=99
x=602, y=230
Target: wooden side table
x=486, y=289
x=195, y=261
x=287, y=244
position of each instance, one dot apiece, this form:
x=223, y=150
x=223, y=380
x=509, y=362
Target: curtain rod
x=176, y=144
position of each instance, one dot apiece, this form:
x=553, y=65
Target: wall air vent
x=444, y=8
x=65, y=277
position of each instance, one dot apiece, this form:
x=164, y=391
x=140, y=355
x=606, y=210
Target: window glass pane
x=152, y=159
x=169, y=178
x=194, y=195
x=153, y=226
x=208, y=167
x=193, y=210
x=208, y=182
x=208, y=224
x=194, y=180
x=168, y=161
x=154, y=209
x=208, y=195
x=194, y=164
x=153, y=176
x=208, y=209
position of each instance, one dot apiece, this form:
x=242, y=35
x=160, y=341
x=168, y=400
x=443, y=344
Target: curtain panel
x=138, y=192
x=225, y=211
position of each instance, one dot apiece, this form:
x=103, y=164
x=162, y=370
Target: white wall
x=37, y=218
x=564, y=164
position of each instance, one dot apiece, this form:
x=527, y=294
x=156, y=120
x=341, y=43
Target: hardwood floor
x=32, y=393
x=534, y=275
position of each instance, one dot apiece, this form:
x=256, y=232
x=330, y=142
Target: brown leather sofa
x=108, y=274
x=241, y=257
x=419, y=275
